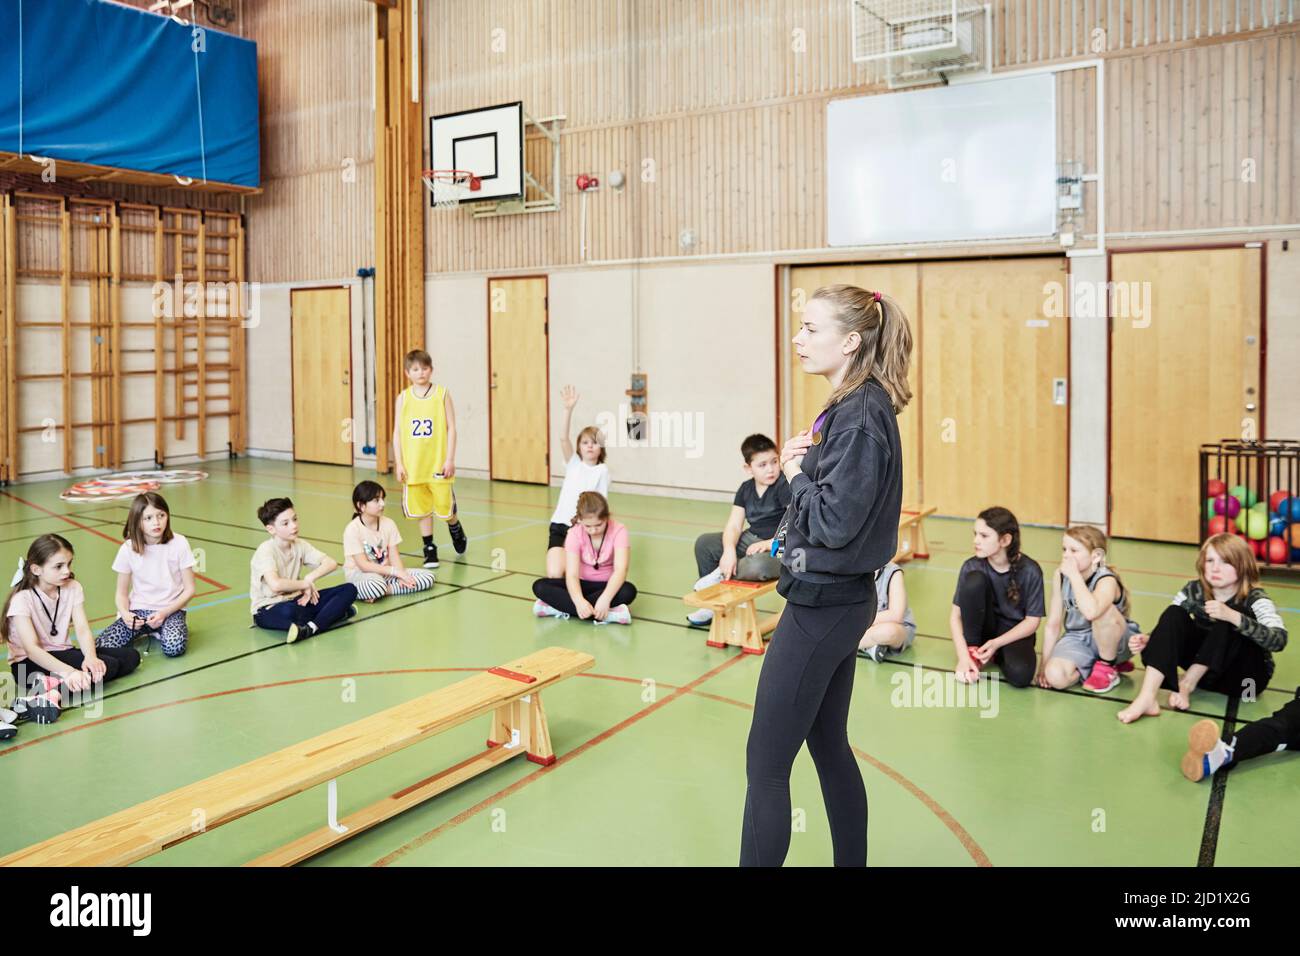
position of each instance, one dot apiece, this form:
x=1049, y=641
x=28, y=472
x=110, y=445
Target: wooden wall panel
x=728, y=101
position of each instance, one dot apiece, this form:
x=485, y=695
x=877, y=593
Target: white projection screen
x=967, y=161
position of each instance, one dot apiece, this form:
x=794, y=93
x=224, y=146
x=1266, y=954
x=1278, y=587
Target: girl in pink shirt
x=155, y=579
x=44, y=606
x=595, y=585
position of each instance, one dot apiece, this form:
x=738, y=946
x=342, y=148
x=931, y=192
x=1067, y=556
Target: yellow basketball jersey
x=424, y=434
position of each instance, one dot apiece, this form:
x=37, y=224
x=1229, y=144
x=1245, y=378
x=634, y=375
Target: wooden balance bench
x=510, y=694
x=911, y=534
x=735, y=616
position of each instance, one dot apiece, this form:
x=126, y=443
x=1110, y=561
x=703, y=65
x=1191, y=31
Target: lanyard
x=592, y=543
x=58, y=597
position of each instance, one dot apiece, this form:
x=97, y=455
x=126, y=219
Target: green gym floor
x=649, y=774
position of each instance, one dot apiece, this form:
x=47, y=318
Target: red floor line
x=963, y=836
x=948, y=820
x=284, y=683
x=522, y=782
x=95, y=531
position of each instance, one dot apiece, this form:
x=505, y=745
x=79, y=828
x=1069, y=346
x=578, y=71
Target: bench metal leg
x=332, y=807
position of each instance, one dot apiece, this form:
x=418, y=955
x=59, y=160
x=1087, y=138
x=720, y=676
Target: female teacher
x=846, y=483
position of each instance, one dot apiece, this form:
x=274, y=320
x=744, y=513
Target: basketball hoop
x=451, y=187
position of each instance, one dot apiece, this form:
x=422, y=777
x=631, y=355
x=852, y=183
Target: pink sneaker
x=1125, y=668
x=1104, y=678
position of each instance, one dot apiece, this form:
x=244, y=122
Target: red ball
x=1276, y=498
x=1214, y=487
x=1278, y=550
x=1257, y=548
x=1220, y=524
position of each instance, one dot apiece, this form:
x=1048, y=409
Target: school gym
x=376, y=370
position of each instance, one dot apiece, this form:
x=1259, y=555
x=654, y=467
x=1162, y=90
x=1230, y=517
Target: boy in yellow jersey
x=424, y=451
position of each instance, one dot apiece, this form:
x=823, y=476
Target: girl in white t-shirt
x=155, y=579
x=45, y=606
x=584, y=471
x=372, y=562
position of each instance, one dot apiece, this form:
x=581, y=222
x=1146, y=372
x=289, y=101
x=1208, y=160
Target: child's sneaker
x=701, y=618
x=619, y=615
x=458, y=539
x=876, y=652
x=43, y=707
x=1125, y=667
x=1103, y=679
x=1206, y=752
x=430, y=555
x=292, y=635
x=8, y=716
x=710, y=579
x=542, y=609
x=7, y=730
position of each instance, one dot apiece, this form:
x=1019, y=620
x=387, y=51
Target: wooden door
x=518, y=359
x=808, y=393
x=320, y=322
x=992, y=430
x=1185, y=369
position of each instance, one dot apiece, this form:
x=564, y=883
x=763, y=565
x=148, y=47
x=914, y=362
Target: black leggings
x=1279, y=732
x=1234, y=662
x=555, y=592
x=118, y=662
x=980, y=622
x=803, y=695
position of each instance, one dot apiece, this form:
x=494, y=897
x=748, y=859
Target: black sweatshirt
x=842, y=523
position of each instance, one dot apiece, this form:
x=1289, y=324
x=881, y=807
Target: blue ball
x=1290, y=509
x=1277, y=526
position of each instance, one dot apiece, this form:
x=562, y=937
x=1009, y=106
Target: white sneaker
x=7, y=729
x=7, y=716
x=710, y=579
x=619, y=615
x=701, y=618
x=542, y=609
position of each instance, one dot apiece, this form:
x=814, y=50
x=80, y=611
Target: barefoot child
x=595, y=585
x=155, y=579
x=283, y=601
x=424, y=453
x=1221, y=629
x=998, y=603
x=584, y=471
x=372, y=562
x=45, y=605
x=894, y=628
x=1089, y=602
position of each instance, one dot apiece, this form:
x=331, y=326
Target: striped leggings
x=372, y=586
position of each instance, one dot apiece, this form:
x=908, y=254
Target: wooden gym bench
x=911, y=534
x=735, y=617
x=511, y=694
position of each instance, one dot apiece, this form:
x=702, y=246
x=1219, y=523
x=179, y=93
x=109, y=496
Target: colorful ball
x=1243, y=494
x=1225, y=504
x=1277, y=525
x=1275, y=500
x=1256, y=525
x=1219, y=524
x=1214, y=487
x=1276, y=551
x=1293, y=533
x=1257, y=549
x=1209, y=508
x=1290, y=509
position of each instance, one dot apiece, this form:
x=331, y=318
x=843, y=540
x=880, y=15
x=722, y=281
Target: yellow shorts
x=436, y=499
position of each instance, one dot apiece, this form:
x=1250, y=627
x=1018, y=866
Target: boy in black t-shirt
x=740, y=552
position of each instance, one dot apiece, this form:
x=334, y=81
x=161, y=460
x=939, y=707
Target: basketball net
x=450, y=187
